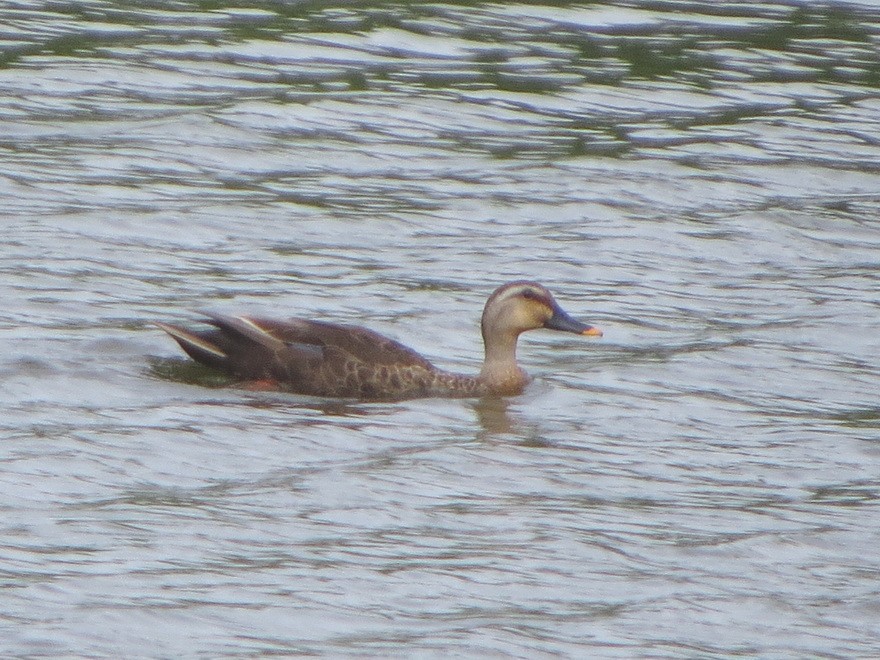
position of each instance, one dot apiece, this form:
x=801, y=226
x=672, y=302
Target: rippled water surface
x=701, y=180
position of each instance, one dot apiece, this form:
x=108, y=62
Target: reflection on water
x=493, y=417
x=187, y=371
x=699, y=179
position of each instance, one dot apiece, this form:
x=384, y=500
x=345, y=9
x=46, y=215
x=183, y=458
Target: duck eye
x=537, y=296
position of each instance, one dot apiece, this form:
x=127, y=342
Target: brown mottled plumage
x=333, y=360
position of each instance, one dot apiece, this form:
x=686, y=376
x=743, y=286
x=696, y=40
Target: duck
x=333, y=360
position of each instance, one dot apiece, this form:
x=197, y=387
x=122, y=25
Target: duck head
x=519, y=306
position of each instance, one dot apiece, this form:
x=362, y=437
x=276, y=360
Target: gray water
x=701, y=180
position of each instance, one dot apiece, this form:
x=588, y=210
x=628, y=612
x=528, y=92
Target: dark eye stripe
x=531, y=294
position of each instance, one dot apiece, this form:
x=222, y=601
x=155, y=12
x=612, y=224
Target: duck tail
x=198, y=347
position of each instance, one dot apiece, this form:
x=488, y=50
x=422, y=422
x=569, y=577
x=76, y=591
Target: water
x=700, y=180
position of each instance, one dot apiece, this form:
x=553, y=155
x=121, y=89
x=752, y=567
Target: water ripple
x=698, y=179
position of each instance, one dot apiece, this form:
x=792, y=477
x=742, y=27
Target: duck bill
x=564, y=323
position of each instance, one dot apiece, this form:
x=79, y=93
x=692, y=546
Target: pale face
x=524, y=307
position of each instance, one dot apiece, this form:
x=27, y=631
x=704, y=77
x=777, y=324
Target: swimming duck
x=333, y=360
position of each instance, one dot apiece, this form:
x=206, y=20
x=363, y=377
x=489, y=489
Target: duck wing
x=310, y=357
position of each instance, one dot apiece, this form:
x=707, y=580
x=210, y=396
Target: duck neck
x=500, y=371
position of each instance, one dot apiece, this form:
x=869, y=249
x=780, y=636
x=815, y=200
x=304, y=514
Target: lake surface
x=701, y=180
